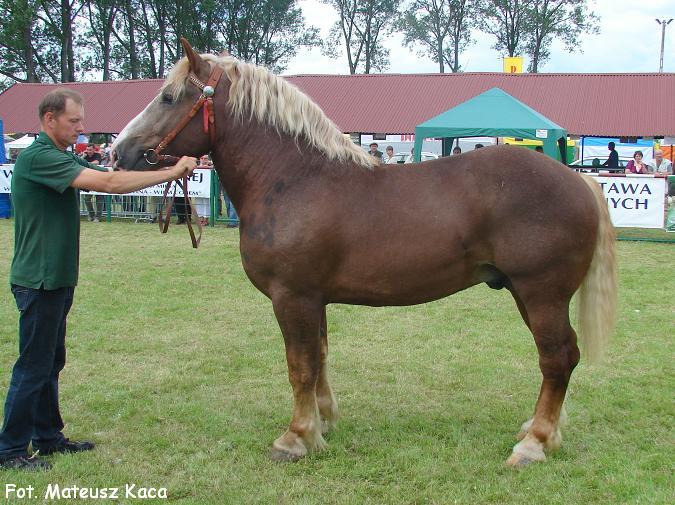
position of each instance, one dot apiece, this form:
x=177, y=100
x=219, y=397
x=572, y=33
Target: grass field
x=176, y=369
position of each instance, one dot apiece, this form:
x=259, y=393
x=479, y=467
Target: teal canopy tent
x=494, y=113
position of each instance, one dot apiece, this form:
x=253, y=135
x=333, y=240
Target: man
x=389, y=156
x=456, y=150
x=44, y=272
x=659, y=164
x=374, y=152
x=91, y=156
x=613, y=160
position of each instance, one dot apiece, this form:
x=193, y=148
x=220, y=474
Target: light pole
x=663, y=24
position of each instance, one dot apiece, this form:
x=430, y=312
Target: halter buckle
x=151, y=157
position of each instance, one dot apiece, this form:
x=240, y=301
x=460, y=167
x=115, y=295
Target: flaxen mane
x=257, y=93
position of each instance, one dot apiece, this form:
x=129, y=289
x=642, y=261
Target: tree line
x=70, y=40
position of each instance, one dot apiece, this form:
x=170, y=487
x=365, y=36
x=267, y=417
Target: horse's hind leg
x=300, y=322
x=324, y=394
x=558, y=355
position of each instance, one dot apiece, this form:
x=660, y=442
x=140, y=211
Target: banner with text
x=634, y=201
x=199, y=184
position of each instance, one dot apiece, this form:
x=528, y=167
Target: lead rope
x=167, y=207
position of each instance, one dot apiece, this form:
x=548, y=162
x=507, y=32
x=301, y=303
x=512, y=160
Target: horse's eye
x=167, y=98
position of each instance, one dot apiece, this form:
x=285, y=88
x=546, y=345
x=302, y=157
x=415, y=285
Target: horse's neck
x=252, y=159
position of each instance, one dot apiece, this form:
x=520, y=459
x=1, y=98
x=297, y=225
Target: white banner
x=199, y=184
x=634, y=200
x=6, y=178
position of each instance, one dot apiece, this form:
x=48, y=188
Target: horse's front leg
x=300, y=321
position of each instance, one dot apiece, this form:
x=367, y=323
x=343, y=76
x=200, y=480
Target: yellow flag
x=513, y=65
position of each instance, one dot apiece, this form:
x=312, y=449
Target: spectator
x=636, y=165
x=389, y=157
x=374, y=152
x=659, y=164
x=91, y=156
x=539, y=149
x=202, y=205
x=44, y=273
x=478, y=146
x=457, y=150
x=411, y=157
x=613, y=160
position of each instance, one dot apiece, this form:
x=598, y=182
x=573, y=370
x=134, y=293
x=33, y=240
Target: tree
x=360, y=29
x=101, y=15
x=441, y=27
x=506, y=20
x=266, y=32
x=27, y=52
x=550, y=19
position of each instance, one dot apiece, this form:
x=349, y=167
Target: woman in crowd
x=636, y=166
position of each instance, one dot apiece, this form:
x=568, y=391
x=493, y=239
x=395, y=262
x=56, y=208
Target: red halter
x=153, y=156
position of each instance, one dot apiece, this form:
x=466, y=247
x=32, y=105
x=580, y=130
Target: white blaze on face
x=127, y=131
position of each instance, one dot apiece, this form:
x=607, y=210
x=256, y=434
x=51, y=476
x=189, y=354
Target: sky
x=629, y=41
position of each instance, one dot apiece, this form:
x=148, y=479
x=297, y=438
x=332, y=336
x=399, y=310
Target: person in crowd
x=374, y=152
x=44, y=273
x=202, y=205
x=389, y=158
x=478, y=146
x=613, y=160
x=411, y=157
x=456, y=150
x=659, y=164
x=92, y=156
x=636, y=165
x=539, y=149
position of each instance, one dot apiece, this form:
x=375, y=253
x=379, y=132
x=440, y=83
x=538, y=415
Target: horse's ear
x=194, y=59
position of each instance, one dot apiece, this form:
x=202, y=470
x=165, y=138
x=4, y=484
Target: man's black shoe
x=67, y=446
x=32, y=464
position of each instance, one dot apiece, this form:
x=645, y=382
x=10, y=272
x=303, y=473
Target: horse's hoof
x=283, y=456
x=519, y=461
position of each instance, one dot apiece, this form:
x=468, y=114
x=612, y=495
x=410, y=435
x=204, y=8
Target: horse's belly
x=410, y=285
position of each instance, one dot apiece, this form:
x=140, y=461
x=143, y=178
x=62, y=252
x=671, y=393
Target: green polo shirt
x=46, y=216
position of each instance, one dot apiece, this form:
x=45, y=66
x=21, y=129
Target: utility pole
x=663, y=24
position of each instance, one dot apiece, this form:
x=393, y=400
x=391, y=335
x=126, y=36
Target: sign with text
x=199, y=184
x=634, y=201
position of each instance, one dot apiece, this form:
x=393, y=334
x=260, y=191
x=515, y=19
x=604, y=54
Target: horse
x=323, y=222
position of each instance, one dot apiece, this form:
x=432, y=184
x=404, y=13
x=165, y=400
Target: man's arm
x=126, y=182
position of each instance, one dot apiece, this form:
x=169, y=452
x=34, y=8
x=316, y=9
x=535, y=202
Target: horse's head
x=136, y=148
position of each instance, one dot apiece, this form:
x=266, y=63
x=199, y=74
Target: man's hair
x=457, y=148
x=55, y=101
x=611, y=145
x=373, y=144
x=658, y=151
x=91, y=145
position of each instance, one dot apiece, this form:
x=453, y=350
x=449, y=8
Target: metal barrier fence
x=217, y=209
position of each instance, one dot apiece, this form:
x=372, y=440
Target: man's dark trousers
x=32, y=404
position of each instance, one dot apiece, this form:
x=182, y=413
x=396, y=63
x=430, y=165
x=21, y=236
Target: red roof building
x=612, y=105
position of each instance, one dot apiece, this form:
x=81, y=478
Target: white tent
x=21, y=143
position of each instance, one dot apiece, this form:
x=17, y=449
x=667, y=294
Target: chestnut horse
x=322, y=222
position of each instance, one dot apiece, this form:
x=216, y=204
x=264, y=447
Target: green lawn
x=176, y=369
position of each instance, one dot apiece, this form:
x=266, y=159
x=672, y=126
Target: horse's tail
x=598, y=292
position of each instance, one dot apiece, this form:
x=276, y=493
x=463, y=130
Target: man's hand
x=184, y=167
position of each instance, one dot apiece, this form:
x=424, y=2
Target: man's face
x=658, y=156
x=390, y=152
x=373, y=148
x=90, y=151
x=65, y=128
x=204, y=161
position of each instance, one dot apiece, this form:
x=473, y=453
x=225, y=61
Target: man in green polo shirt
x=44, y=272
